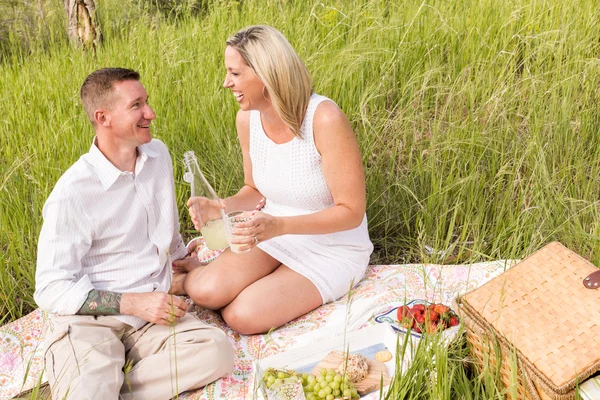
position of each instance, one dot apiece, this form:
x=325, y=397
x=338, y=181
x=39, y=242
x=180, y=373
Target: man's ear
x=102, y=118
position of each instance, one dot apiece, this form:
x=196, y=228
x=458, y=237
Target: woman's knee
x=244, y=319
x=205, y=291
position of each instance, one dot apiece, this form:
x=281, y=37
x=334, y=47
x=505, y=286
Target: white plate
x=366, y=341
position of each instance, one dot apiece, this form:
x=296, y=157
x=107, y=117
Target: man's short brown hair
x=97, y=87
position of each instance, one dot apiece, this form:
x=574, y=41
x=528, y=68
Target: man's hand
x=158, y=308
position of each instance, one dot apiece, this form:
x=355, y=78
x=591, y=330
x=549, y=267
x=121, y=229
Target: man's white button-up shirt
x=109, y=230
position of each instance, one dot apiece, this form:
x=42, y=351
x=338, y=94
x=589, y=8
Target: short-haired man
x=110, y=234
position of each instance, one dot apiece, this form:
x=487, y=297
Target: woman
x=310, y=242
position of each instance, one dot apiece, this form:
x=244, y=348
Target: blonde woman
x=310, y=241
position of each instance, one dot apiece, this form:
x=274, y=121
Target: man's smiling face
x=130, y=115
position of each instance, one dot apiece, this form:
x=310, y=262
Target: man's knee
x=211, y=348
x=223, y=354
x=81, y=358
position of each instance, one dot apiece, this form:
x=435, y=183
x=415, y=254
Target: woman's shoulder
x=242, y=123
x=327, y=112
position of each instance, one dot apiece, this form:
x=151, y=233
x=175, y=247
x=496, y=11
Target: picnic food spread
x=423, y=318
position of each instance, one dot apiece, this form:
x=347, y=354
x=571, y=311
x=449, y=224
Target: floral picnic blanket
x=383, y=288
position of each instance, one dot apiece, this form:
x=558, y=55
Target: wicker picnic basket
x=539, y=317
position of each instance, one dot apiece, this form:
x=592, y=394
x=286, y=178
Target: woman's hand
x=203, y=210
x=258, y=229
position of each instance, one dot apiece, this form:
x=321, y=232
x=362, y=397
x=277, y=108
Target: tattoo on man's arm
x=100, y=302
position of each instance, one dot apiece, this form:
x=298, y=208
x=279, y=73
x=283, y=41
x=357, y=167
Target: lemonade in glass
x=213, y=233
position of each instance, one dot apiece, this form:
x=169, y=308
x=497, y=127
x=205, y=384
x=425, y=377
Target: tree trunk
x=82, y=25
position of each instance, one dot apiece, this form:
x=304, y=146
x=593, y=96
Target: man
x=105, y=250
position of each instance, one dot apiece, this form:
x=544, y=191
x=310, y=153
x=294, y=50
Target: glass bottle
x=211, y=218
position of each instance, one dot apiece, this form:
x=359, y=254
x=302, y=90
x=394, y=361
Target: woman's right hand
x=203, y=210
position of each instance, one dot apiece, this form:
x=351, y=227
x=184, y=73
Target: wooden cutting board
x=372, y=382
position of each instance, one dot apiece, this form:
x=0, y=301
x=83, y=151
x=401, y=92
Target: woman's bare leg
x=215, y=285
x=272, y=301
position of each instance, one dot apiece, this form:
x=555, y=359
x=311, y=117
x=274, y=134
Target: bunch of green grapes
x=327, y=385
x=276, y=376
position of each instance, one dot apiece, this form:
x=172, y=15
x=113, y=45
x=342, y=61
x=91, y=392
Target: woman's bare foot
x=177, y=284
x=186, y=264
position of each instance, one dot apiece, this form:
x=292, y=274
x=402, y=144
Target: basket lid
x=542, y=308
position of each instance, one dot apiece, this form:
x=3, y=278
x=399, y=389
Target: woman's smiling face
x=240, y=78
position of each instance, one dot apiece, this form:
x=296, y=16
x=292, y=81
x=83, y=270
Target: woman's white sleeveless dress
x=290, y=176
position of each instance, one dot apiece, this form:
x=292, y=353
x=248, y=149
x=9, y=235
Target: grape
x=326, y=385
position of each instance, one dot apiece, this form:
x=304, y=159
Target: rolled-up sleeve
x=177, y=249
x=65, y=238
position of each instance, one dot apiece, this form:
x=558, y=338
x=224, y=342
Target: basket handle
x=592, y=281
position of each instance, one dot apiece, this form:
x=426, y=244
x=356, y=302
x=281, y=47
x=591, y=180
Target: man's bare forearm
x=100, y=302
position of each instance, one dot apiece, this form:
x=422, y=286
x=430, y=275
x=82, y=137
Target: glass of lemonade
x=234, y=218
x=213, y=233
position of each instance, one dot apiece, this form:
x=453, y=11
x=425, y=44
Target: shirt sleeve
x=65, y=238
x=178, y=249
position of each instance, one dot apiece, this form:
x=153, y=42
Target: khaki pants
x=86, y=358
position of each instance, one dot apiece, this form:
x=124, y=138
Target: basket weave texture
x=540, y=311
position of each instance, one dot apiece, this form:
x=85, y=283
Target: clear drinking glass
x=232, y=219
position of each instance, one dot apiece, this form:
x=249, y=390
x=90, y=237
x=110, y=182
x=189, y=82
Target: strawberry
x=403, y=312
x=407, y=322
x=454, y=321
x=431, y=315
x=416, y=327
x=431, y=327
x=418, y=308
x=441, y=309
x=405, y=316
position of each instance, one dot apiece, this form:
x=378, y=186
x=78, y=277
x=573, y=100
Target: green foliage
x=477, y=119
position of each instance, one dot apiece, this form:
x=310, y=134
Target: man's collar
x=107, y=172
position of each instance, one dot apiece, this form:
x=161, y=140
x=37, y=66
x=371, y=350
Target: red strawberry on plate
x=441, y=309
x=431, y=315
x=418, y=308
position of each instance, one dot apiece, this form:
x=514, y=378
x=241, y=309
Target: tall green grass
x=477, y=119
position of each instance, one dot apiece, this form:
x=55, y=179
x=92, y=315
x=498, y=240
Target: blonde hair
x=280, y=69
